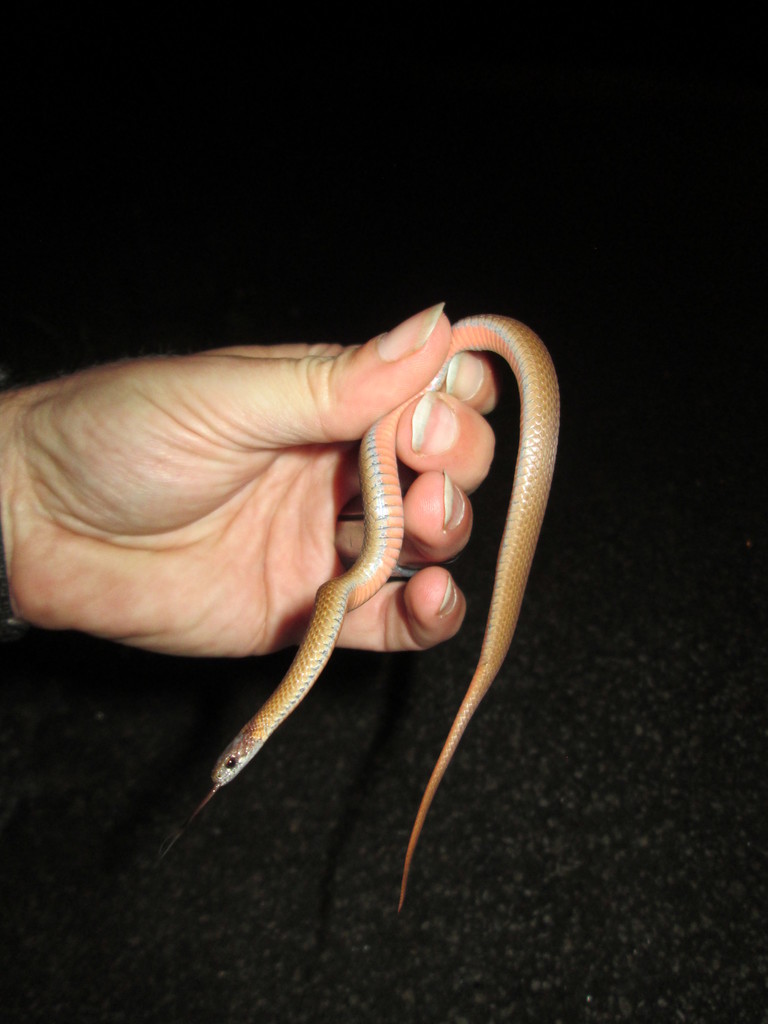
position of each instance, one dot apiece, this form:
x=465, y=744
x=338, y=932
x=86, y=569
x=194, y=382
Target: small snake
x=383, y=538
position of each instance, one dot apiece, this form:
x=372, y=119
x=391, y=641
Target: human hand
x=190, y=504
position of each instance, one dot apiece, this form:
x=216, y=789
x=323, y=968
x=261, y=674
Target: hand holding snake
x=165, y=499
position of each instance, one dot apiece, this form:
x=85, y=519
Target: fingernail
x=433, y=427
x=453, y=504
x=402, y=341
x=465, y=376
x=449, y=599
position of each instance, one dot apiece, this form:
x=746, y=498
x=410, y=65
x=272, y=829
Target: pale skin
x=189, y=505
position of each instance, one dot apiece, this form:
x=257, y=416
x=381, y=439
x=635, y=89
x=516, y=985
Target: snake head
x=237, y=755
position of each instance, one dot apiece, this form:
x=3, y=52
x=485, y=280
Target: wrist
x=11, y=624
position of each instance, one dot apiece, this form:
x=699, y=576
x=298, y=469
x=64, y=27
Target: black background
x=598, y=851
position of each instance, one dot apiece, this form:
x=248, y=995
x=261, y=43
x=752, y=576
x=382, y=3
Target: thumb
x=337, y=398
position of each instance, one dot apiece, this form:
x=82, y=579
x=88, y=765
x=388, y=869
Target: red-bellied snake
x=383, y=537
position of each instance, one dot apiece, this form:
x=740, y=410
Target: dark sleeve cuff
x=10, y=628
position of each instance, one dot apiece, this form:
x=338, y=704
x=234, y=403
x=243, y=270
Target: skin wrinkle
x=254, y=567
x=222, y=419
x=304, y=371
x=32, y=454
x=284, y=531
x=208, y=601
x=272, y=554
x=48, y=446
x=324, y=390
x=227, y=451
x=168, y=466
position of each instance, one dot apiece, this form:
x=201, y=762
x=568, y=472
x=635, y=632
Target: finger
x=438, y=523
x=281, y=350
x=438, y=520
x=425, y=611
x=473, y=378
x=285, y=401
x=439, y=432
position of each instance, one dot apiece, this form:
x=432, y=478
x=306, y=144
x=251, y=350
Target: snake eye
x=231, y=762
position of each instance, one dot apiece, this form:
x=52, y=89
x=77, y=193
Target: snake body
x=383, y=538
